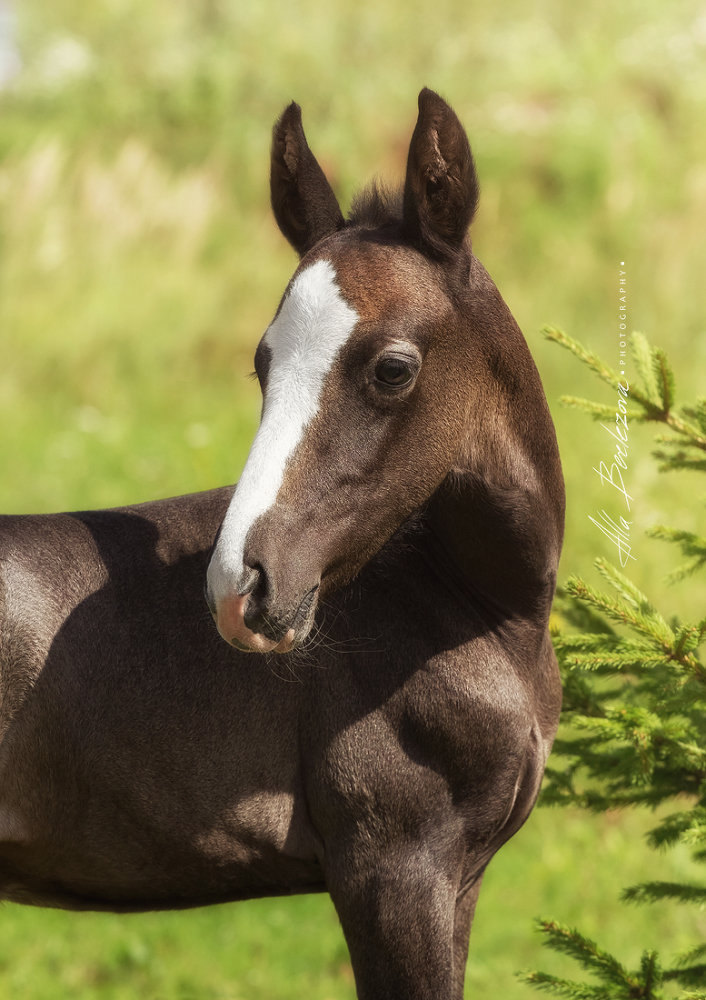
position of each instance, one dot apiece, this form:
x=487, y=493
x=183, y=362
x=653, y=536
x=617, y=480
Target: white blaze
x=304, y=339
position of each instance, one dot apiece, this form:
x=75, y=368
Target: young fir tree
x=635, y=702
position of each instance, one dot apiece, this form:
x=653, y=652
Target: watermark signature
x=615, y=526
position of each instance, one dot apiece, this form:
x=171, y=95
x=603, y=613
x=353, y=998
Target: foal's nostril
x=255, y=615
x=256, y=611
x=251, y=578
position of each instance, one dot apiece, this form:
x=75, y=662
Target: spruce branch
x=664, y=377
x=653, y=892
x=687, y=826
x=602, y=370
x=650, y=971
x=569, y=941
x=644, y=619
x=689, y=957
x=693, y=546
x=637, y=613
x=689, y=970
x=579, y=616
x=644, y=364
x=617, y=983
x=679, y=459
x=635, y=697
x=600, y=411
x=563, y=987
x=655, y=397
x=625, y=587
x=697, y=413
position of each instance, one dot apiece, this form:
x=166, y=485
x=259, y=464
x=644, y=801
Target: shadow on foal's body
x=395, y=534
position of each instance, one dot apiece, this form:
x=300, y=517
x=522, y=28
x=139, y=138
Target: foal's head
x=367, y=380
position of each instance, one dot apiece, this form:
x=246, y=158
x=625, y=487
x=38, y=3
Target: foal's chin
x=256, y=643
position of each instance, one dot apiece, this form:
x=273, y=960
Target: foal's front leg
x=465, y=909
x=397, y=913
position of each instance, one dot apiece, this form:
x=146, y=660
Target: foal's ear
x=305, y=207
x=441, y=188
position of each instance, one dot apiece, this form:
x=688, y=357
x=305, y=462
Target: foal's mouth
x=258, y=643
x=276, y=633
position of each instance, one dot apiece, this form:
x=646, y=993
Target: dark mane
x=376, y=206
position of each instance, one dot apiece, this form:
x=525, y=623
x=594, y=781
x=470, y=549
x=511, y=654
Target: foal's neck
x=497, y=520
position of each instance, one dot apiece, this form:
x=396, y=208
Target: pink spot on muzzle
x=230, y=621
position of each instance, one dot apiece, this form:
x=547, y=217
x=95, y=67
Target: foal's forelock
x=311, y=327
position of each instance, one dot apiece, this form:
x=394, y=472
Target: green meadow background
x=139, y=265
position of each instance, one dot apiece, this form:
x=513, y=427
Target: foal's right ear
x=304, y=205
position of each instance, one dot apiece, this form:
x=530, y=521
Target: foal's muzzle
x=255, y=623
x=232, y=622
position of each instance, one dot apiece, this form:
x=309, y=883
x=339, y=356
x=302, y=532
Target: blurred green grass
x=139, y=266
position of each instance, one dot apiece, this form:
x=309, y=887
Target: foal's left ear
x=305, y=207
x=441, y=188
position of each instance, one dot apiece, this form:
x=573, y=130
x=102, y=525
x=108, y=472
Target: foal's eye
x=395, y=372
